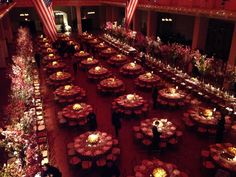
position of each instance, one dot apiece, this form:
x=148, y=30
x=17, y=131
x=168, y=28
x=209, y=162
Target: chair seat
x=116, y=151
x=136, y=128
x=86, y=165
x=74, y=161
x=208, y=165
x=205, y=153
x=147, y=142
x=138, y=136
x=101, y=162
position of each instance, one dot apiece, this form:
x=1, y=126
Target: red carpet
x=186, y=156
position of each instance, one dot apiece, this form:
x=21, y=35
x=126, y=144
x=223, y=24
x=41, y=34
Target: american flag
x=45, y=11
x=131, y=5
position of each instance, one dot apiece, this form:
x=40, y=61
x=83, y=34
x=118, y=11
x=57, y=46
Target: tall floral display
x=19, y=136
x=203, y=64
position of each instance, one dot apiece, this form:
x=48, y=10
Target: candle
x=97, y=68
x=148, y=75
x=54, y=63
x=89, y=59
x=172, y=90
x=159, y=172
x=132, y=64
x=51, y=55
x=93, y=138
x=59, y=74
x=67, y=87
x=208, y=113
x=77, y=107
x=130, y=97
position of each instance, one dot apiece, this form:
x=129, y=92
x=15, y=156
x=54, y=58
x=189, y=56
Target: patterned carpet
x=186, y=155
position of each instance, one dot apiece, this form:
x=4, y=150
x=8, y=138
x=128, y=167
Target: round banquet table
x=107, y=53
x=148, y=167
x=206, y=119
x=176, y=98
x=98, y=73
x=111, y=85
x=117, y=60
x=60, y=78
x=69, y=94
x=88, y=63
x=76, y=117
x=130, y=104
x=45, y=45
x=55, y=66
x=84, y=34
x=48, y=51
x=148, y=80
x=51, y=57
x=88, y=37
x=101, y=46
x=95, y=147
x=167, y=129
x=94, y=42
x=43, y=40
x=81, y=55
x=131, y=69
x=222, y=155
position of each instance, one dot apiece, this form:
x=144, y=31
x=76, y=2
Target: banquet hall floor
x=186, y=155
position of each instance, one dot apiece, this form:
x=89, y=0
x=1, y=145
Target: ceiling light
x=90, y=13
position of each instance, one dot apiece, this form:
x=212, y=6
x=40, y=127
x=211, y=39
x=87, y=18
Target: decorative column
x=108, y=13
x=8, y=28
x=200, y=33
x=151, y=23
x=136, y=21
x=79, y=22
x=102, y=15
x=3, y=46
x=232, y=54
x=115, y=14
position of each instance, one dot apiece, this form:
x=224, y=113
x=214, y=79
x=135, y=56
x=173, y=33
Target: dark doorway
x=30, y=25
x=219, y=37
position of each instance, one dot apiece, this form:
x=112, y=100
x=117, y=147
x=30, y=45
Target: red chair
x=136, y=128
x=74, y=161
x=116, y=151
x=71, y=152
x=70, y=145
x=173, y=141
x=138, y=136
x=86, y=165
x=205, y=153
x=208, y=165
x=101, y=162
x=146, y=142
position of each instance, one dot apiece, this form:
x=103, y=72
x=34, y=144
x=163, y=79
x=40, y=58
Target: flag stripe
x=133, y=7
x=130, y=9
x=46, y=15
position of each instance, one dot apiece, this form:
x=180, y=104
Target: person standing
x=75, y=68
x=156, y=139
x=92, y=121
x=37, y=57
x=154, y=96
x=49, y=170
x=116, y=122
x=220, y=129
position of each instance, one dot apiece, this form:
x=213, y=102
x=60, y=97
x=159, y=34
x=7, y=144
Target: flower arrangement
x=203, y=63
x=20, y=140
